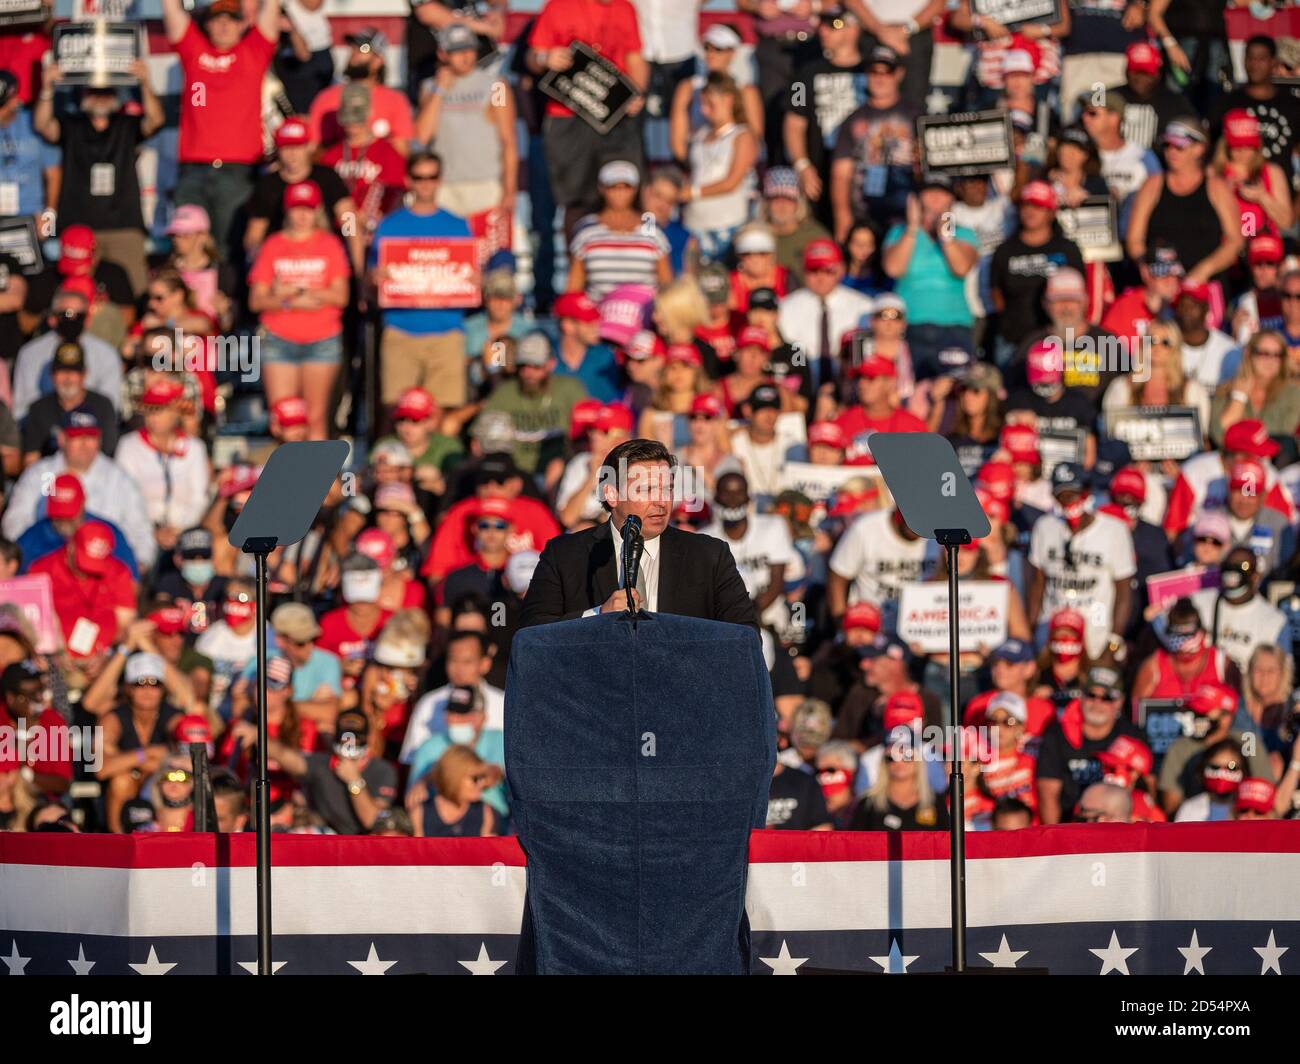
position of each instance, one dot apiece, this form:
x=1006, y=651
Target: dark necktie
x=825, y=364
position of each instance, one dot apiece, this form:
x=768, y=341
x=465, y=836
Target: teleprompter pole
x=260, y=548
x=952, y=539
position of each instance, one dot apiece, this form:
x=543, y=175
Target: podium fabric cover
x=639, y=759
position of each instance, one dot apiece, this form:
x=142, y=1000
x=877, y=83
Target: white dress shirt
x=669, y=29
x=800, y=320
x=649, y=570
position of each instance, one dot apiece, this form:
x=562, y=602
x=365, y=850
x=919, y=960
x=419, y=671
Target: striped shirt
x=612, y=259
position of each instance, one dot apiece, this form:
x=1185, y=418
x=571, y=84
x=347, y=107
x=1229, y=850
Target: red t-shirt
x=20, y=54
x=53, y=740
x=1129, y=316
x=453, y=547
x=95, y=598
x=720, y=338
x=311, y=264
x=221, y=100
x=1012, y=777
x=375, y=176
x=608, y=28
x=339, y=637
x=857, y=426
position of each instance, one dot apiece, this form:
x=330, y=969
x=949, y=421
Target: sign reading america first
x=23, y=12
x=593, y=88
x=1015, y=12
x=18, y=238
x=959, y=145
x=98, y=53
x=1093, y=227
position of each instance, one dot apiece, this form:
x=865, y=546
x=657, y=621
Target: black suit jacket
x=697, y=578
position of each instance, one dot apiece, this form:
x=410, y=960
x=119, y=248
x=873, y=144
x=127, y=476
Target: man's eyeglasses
x=499, y=525
x=1102, y=694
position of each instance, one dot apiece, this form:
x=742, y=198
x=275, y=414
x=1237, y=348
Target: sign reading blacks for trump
x=22, y=12
x=98, y=53
x=958, y=145
x=981, y=615
x=1093, y=227
x=1154, y=433
x=593, y=88
x=18, y=239
x=1014, y=12
x=428, y=272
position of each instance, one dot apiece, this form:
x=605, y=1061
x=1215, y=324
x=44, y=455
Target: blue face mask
x=461, y=734
x=197, y=573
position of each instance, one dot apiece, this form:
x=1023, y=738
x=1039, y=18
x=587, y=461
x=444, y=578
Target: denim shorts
x=277, y=349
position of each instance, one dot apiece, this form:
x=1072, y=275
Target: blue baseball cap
x=1014, y=651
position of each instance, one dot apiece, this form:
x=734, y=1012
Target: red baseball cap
x=1255, y=794
x=1213, y=698
x=849, y=502
x=615, y=416
x=685, y=353
x=999, y=478
x=1072, y=620
x=1265, y=248
x=1197, y=290
x=1039, y=194
x=875, y=366
x=302, y=194
x=293, y=132
x=754, y=336
x=1021, y=442
x=169, y=620
x=583, y=416
x=1044, y=364
x=414, y=404
x=1129, y=482
x=576, y=305
x=822, y=253
x=377, y=544
x=1144, y=58
x=706, y=405
x=92, y=546
x=1249, y=437
x=76, y=250
x=67, y=498
x=495, y=507
x=1128, y=753
x=862, y=615
x=1241, y=129
x=193, y=728
x=162, y=392
x=290, y=411
x=827, y=434
x=902, y=707
x=1247, y=473
x=995, y=508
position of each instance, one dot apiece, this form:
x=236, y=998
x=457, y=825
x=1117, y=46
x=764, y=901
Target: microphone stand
x=633, y=545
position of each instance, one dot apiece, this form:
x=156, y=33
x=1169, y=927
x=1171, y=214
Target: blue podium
x=639, y=756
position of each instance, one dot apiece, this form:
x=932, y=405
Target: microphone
x=633, y=545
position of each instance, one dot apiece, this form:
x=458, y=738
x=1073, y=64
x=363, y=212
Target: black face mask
x=356, y=71
x=1234, y=581
x=70, y=326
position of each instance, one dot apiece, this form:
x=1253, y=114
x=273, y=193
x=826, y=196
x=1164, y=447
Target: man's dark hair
x=1261, y=41
x=423, y=157
x=1011, y=807
x=627, y=454
x=10, y=551
x=469, y=633
x=225, y=784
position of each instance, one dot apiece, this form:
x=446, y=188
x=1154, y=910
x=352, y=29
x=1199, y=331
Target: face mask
x=362, y=587
x=197, y=573
x=356, y=71
x=1222, y=781
x=1044, y=391
x=1066, y=650
x=461, y=734
x=834, y=783
x=352, y=750
x=1185, y=646
x=70, y=326
x=1075, y=512
x=174, y=803
x=733, y=515
x=1131, y=512
x=1234, y=582
x=237, y=613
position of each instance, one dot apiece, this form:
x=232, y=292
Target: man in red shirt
x=574, y=150
x=45, y=751
x=94, y=594
x=222, y=67
x=878, y=394
x=388, y=114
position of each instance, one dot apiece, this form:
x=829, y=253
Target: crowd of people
x=753, y=268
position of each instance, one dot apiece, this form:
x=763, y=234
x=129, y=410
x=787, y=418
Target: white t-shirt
x=1102, y=553
x=766, y=542
x=1209, y=363
x=763, y=463
x=878, y=562
x=1243, y=628
x=1125, y=169
x=230, y=654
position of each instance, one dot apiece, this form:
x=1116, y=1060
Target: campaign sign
x=1015, y=12
x=18, y=238
x=958, y=145
x=113, y=10
x=23, y=12
x=1164, y=588
x=1060, y=445
x=429, y=272
x=593, y=88
x=1154, y=433
x=34, y=595
x=98, y=53
x=1094, y=228
x=981, y=615
x=818, y=482
x=1166, y=719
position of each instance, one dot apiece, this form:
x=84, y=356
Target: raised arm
x=176, y=21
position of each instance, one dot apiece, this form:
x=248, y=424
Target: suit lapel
x=668, y=569
x=603, y=574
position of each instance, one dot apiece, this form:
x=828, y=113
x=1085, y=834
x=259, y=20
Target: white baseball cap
x=755, y=242
x=619, y=172
x=721, y=36
x=144, y=667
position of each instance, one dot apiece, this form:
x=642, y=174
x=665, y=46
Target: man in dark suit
x=580, y=574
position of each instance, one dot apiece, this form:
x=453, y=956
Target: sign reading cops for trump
x=1154, y=433
x=593, y=88
x=23, y=12
x=1167, y=719
x=18, y=239
x=1014, y=12
x=1093, y=227
x=98, y=53
x=429, y=272
x=981, y=615
x=974, y=142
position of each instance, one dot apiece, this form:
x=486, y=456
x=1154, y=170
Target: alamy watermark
x=193, y=353
x=1082, y=354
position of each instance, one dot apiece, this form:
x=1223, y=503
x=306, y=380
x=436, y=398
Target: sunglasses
x=834, y=24
x=177, y=775
x=499, y=525
x=890, y=314
x=1209, y=539
x=1102, y=694
x=148, y=681
x=426, y=177
x=1267, y=352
